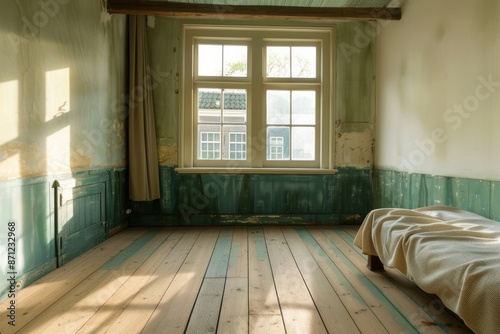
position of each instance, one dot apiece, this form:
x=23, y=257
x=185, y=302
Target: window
x=237, y=146
x=256, y=98
x=275, y=148
x=210, y=145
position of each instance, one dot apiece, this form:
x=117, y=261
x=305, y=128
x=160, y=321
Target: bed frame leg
x=374, y=263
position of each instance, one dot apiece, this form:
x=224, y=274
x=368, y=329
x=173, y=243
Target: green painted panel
x=168, y=188
x=438, y=190
x=459, y=193
x=418, y=191
x=426, y=190
x=82, y=216
x=495, y=200
x=210, y=199
x=30, y=203
x=479, y=197
x=118, y=202
x=400, y=196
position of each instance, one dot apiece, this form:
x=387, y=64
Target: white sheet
x=449, y=252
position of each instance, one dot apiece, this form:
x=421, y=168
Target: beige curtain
x=144, y=184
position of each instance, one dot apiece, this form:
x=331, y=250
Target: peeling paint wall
x=354, y=149
x=354, y=91
x=355, y=94
x=62, y=88
x=438, y=90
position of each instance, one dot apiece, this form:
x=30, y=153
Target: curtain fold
x=144, y=181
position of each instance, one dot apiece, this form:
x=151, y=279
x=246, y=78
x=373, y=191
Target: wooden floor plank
x=238, y=259
x=228, y=279
x=85, y=301
x=139, y=310
x=234, y=310
x=266, y=324
x=351, y=229
x=330, y=307
x=59, y=282
x=205, y=315
x=414, y=312
x=263, y=299
x=114, y=306
x=427, y=306
x=359, y=310
x=299, y=312
x=175, y=307
x=74, y=308
x=219, y=260
x=385, y=311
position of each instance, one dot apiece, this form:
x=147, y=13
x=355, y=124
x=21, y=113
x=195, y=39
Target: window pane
x=235, y=60
x=209, y=142
x=235, y=106
x=303, y=62
x=303, y=107
x=278, y=61
x=278, y=143
x=209, y=60
x=303, y=139
x=235, y=139
x=278, y=107
x=209, y=105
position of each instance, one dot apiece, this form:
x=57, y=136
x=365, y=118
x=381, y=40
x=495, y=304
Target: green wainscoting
x=85, y=208
x=211, y=199
x=404, y=190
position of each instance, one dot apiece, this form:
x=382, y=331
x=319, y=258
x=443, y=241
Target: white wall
x=62, y=88
x=438, y=89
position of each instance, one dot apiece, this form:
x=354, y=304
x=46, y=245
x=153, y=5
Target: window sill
x=214, y=170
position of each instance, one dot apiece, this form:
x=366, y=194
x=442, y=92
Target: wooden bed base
x=374, y=263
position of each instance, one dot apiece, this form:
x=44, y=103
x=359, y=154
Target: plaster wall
x=62, y=85
x=438, y=90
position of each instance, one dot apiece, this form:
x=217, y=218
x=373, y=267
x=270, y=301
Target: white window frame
x=256, y=84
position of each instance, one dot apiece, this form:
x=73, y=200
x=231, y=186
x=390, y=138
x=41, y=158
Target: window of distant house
x=256, y=97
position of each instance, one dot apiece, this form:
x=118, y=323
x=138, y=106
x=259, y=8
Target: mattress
x=451, y=253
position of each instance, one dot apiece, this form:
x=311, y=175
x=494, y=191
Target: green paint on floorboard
x=309, y=240
x=260, y=244
x=347, y=238
x=350, y=240
x=220, y=258
x=125, y=254
x=386, y=303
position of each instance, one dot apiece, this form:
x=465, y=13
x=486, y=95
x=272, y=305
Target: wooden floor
x=227, y=280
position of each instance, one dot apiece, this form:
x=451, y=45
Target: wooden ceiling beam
x=167, y=8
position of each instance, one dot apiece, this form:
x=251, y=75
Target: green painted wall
x=86, y=207
x=395, y=189
x=210, y=199
x=63, y=112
